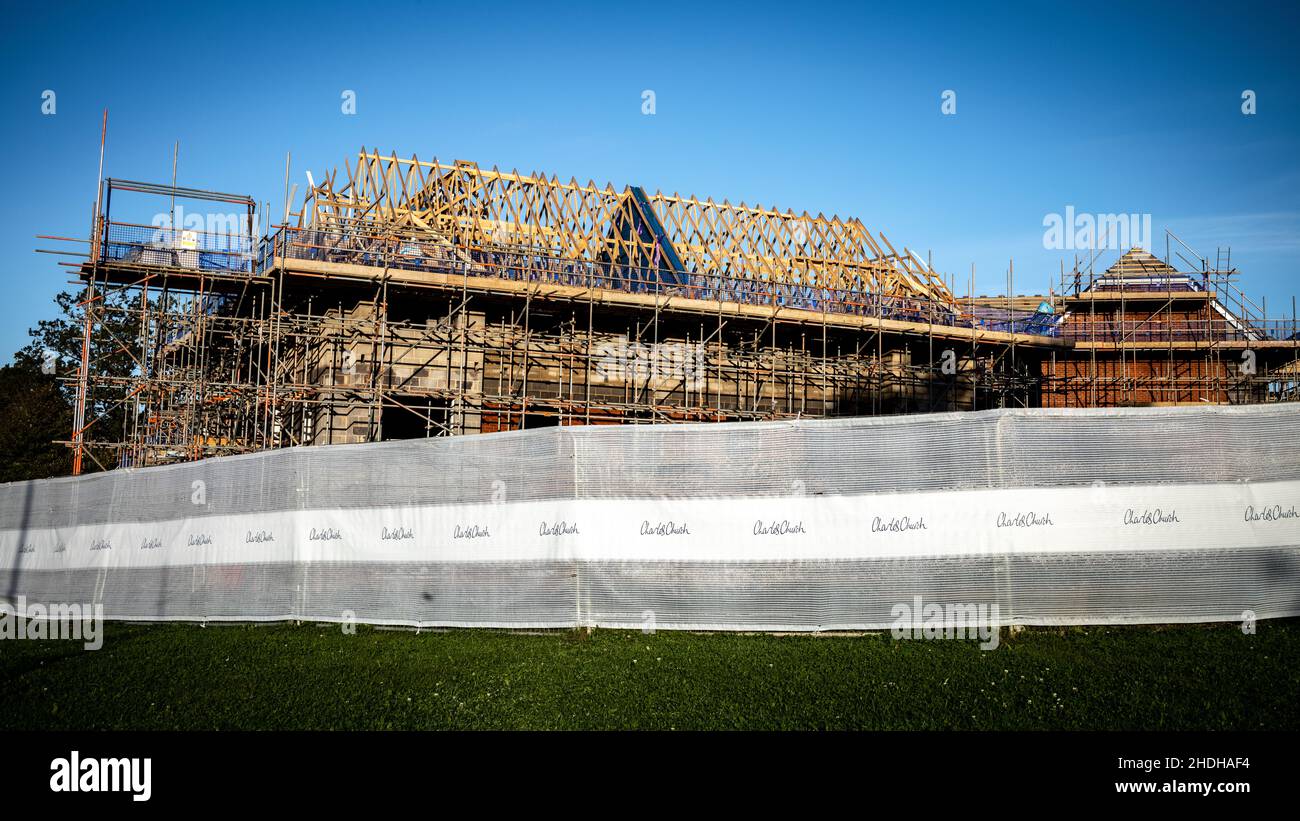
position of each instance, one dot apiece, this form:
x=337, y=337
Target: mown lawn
x=315, y=677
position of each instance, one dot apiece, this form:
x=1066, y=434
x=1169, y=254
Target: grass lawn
x=314, y=677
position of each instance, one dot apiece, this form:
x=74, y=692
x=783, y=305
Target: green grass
x=285, y=676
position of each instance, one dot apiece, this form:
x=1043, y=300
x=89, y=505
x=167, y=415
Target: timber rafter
x=472, y=209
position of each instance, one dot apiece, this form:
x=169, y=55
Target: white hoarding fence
x=1054, y=516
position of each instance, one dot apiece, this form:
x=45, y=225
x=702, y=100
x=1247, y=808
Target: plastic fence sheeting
x=1035, y=516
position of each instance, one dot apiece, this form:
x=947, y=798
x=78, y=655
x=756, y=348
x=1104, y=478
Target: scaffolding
x=408, y=299
x=1145, y=332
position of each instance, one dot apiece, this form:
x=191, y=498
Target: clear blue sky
x=824, y=107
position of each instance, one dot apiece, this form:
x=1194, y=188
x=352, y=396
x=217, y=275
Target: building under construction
x=411, y=299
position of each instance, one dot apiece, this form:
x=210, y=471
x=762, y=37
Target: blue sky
x=824, y=107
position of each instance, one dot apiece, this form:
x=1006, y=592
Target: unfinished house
x=1143, y=333
x=410, y=298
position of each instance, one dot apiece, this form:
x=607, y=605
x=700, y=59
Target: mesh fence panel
x=1040, y=516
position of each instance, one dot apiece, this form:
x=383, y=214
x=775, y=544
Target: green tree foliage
x=38, y=405
x=34, y=413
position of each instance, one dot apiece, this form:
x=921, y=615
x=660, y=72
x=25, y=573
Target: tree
x=34, y=413
x=56, y=345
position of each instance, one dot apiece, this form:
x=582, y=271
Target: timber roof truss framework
x=466, y=208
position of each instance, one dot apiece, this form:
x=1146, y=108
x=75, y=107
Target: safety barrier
x=1054, y=516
